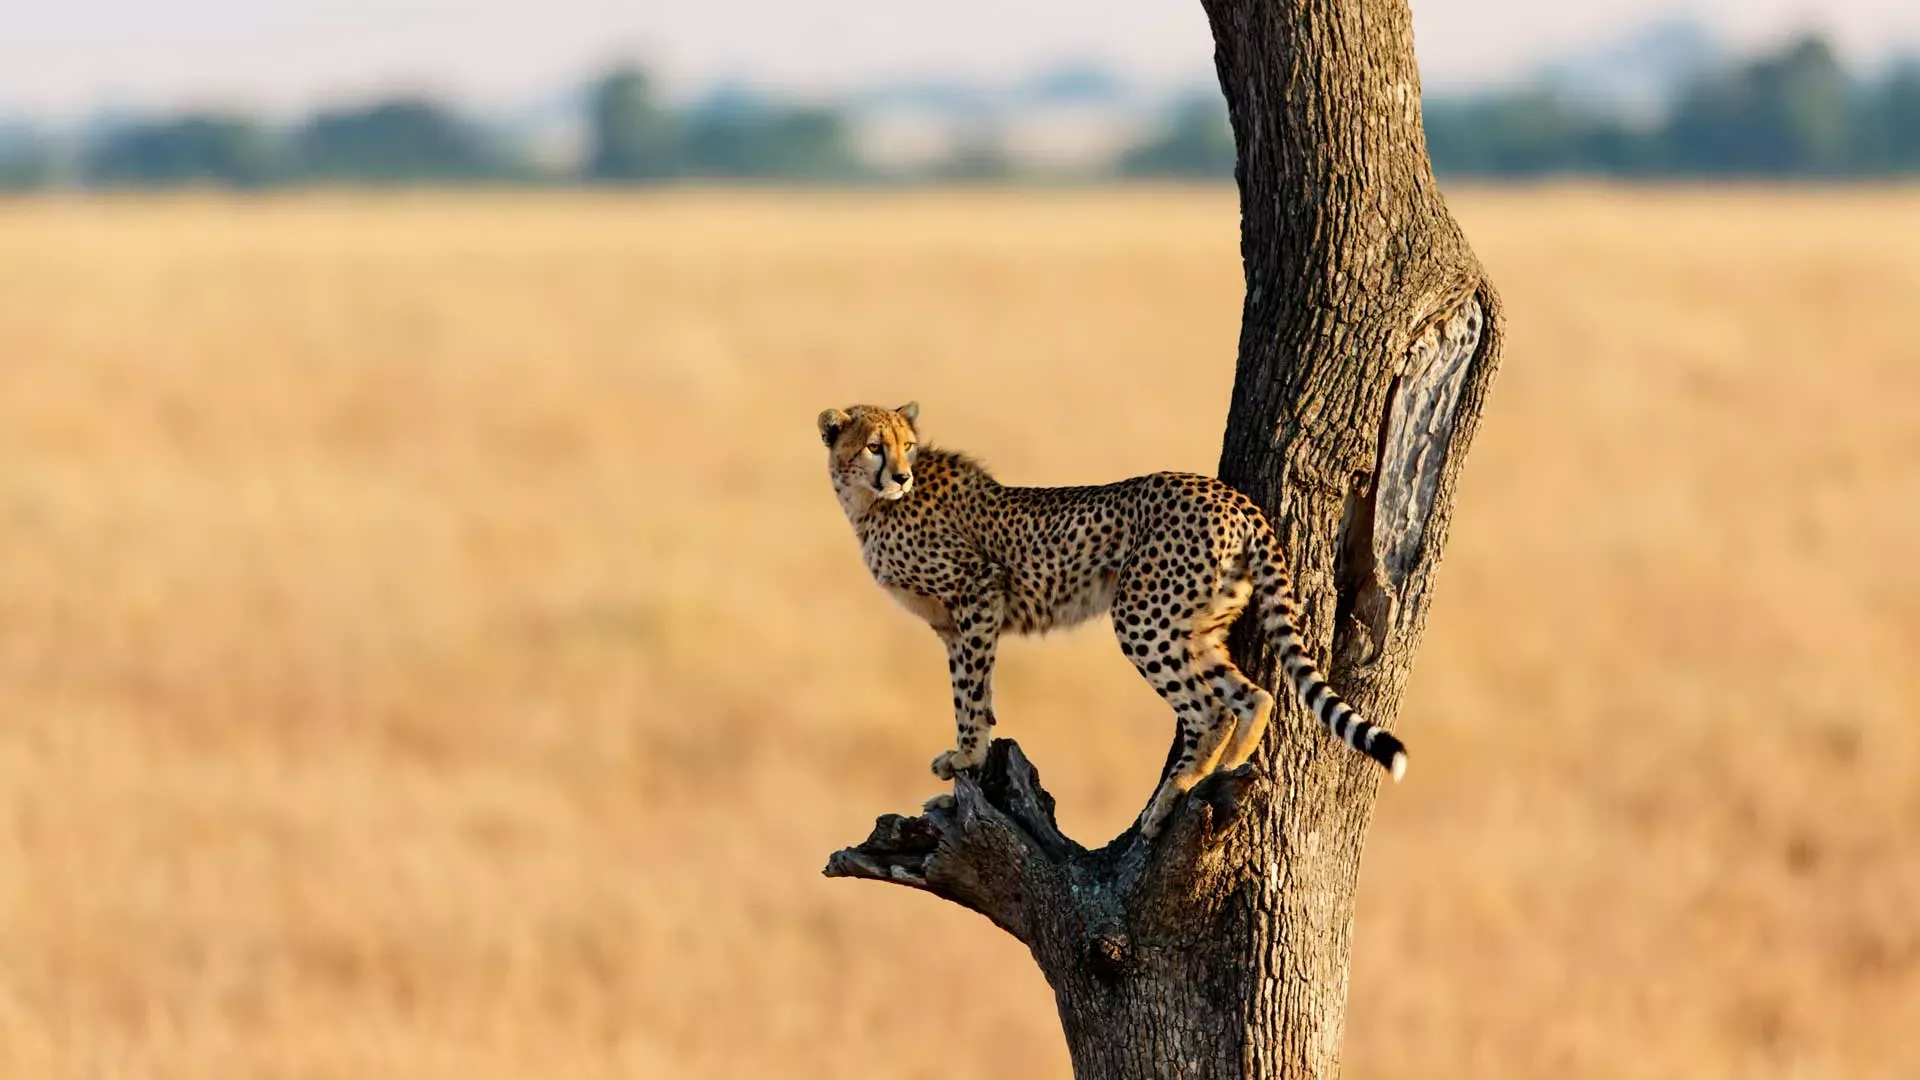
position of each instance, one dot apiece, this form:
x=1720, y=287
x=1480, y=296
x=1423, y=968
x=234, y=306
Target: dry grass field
x=429, y=647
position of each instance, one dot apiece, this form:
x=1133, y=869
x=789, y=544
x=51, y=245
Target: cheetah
x=1172, y=557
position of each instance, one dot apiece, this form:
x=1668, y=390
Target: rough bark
x=1369, y=339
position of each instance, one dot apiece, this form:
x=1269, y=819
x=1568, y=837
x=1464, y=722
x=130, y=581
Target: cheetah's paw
x=1159, y=810
x=953, y=762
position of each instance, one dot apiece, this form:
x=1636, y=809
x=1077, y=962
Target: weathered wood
x=1369, y=338
x=1110, y=928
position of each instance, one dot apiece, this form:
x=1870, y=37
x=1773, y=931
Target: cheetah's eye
x=874, y=449
x=910, y=447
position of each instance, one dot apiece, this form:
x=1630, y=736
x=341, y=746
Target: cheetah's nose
x=901, y=477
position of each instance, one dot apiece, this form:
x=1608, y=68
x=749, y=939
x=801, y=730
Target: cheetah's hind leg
x=1208, y=753
x=1203, y=726
x=1252, y=707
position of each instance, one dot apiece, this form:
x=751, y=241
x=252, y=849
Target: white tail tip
x=1399, y=768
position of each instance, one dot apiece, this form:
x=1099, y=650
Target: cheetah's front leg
x=972, y=641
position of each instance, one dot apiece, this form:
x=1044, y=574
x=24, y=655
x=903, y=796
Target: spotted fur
x=1173, y=557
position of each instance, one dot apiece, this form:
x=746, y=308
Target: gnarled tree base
x=1129, y=935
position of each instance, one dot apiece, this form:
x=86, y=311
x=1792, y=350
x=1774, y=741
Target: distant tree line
x=631, y=138
x=1793, y=113
x=634, y=138
x=406, y=139
x=1796, y=112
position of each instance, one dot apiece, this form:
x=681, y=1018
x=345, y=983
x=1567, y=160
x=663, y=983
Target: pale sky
x=67, y=56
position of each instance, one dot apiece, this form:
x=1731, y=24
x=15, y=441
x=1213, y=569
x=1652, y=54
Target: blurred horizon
x=1664, y=99
x=73, y=60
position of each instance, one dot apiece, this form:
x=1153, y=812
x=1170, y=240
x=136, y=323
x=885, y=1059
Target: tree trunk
x=1368, y=342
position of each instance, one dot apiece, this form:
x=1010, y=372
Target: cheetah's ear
x=832, y=422
x=911, y=410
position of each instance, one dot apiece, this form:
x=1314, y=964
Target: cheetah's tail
x=1273, y=593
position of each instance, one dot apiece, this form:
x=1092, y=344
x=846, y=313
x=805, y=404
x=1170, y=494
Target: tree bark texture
x=1370, y=337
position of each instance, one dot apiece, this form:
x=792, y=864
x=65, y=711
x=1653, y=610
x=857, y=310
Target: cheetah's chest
x=920, y=577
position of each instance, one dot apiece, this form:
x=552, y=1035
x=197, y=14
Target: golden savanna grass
x=429, y=647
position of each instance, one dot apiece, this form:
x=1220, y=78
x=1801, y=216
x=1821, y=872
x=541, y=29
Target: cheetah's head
x=871, y=449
